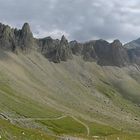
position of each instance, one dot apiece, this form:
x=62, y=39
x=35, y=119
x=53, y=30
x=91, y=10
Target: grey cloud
x=78, y=19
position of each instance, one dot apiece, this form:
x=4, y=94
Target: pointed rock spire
x=26, y=38
x=64, y=40
x=116, y=43
x=63, y=37
x=26, y=30
x=26, y=26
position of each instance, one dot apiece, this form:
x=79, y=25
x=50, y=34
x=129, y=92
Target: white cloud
x=77, y=19
x=54, y=33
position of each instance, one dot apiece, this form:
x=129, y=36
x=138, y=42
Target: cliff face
x=76, y=47
x=13, y=39
x=55, y=50
x=7, y=37
x=101, y=51
x=26, y=41
x=106, y=54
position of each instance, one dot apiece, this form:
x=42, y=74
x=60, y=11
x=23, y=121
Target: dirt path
x=85, y=125
x=41, y=119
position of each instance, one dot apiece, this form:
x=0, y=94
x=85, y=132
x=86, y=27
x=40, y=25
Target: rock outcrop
x=7, y=37
x=26, y=41
x=76, y=47
x=103, y=52
x=13, y=39
x=63, y=50
x=55, y=50
x=88, y=51
x=108, y=54
x=48, y=48
x=119, y=54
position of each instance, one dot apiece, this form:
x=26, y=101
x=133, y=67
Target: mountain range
x=56, y=89
x=101, y=51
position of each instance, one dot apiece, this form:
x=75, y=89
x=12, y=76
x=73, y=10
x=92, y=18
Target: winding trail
x=85, y=125
x=38, y=119
x=43, y=119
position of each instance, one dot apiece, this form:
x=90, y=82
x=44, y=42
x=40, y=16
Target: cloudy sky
x=77, y=19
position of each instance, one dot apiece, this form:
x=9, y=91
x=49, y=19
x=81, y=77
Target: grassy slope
x=65, y=126
x=9, y=131
x=30, y=86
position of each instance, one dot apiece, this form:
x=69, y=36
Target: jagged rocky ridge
x=101, y=51
x=16, y=40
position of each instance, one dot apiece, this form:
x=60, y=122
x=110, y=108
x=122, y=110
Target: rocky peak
x=56, y=50
x=6, y=37
x=88, y=51
x=64, y=42
x=26, y=28
x=26, y=31
x=116, y=43
x=76, y=47
x=63, y=50
x=13, y=39
x=63, y=38
x=2, y=26
x=26, y=40
x=105, y=53
x=119, y=54
x=48, y=38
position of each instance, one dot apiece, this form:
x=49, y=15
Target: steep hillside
x=33, y=87
x=68, y=96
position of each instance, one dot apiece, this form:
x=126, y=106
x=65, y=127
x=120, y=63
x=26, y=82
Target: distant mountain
x=133, y=49
x=133, y=44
